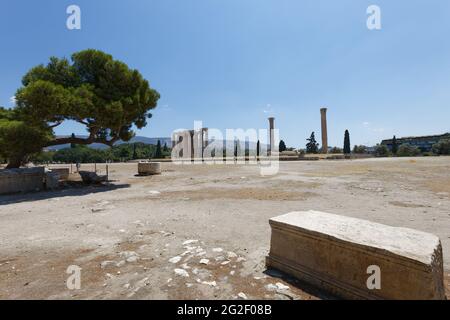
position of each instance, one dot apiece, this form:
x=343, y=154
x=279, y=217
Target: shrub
x=442, y=147
x=360, y=149
x=381, y=151
x=406, y=150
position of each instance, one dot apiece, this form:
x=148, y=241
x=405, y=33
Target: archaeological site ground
x=202, y=231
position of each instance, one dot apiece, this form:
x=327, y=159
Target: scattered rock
x=217, y=250
x=204, y=261
x=129, y=256
x=242, y=296
x=271, y=287
x=175, y=259
x=181, y=273
x=120, y=263
x=189, y=242
x=106, y=264
x=185, y=266
x=210, y=283
x=231, y=255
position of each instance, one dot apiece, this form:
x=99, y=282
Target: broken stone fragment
x=175, y=259
x=181, y=273
x=242, y=296
x=106, y=264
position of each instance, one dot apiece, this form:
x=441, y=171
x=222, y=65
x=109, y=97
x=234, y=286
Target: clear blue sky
x=232, y=63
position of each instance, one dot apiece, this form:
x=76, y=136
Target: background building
x=424, y=143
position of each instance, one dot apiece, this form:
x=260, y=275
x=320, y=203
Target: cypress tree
x=158, y=153
x=258, y=148
x=347, y=148
x=394, y=145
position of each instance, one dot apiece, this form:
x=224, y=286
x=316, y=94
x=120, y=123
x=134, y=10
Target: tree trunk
x=15, y=162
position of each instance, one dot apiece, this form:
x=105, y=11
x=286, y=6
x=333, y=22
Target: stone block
x=149, y=168
x=21, y=180
x=62, y=172
x=337, y=254
x=92, y=178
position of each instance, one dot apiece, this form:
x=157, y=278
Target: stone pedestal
x=337, y=254
x=149, y=168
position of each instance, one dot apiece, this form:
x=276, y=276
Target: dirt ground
x=201, y=231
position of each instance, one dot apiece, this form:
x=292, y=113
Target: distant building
x=424, y=143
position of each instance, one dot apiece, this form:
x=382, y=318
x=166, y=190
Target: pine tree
x=158, y=153
x=394, y=145
x=282, y=146
x=165, y=149
x=347, y=148
x=312, y=146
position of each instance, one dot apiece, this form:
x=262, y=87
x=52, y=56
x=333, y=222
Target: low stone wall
x=22, y=180
x=357, y=259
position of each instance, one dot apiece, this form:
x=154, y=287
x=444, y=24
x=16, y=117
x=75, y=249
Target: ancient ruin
x=323, y=114
x=337, y=253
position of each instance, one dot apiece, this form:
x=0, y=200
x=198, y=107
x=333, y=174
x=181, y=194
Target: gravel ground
x=201, y=231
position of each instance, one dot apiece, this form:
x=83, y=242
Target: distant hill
x=154, y=141
x=141, y=139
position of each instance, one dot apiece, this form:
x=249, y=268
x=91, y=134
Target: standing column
x=323, y=113
x=271, y=134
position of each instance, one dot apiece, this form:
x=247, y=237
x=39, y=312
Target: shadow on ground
x=74, y=189
x=307, y=288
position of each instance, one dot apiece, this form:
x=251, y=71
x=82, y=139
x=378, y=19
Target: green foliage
x=18, y=140
x=84, y=154
x=381, y=150
x=81, y=154
x=335, y=150
x=347, y=147
x=103, y=94
x=406, y=150
x=312, y=146
x=360, y=149
x=158, y=152
x=442, y=147
x=282, y=146
x=394, y=145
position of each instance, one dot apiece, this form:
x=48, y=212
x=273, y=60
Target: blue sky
x=233, y=63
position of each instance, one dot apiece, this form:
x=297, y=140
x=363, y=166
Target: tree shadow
x=305, y=287
x=72, y=189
